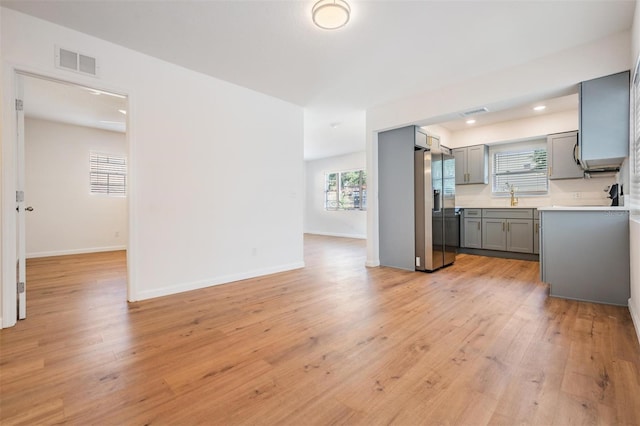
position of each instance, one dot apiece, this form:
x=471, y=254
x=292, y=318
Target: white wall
x=216, y=169
x=67, y=218
x=545, y=77
x=561, y=192
x=514, y=130
x=351, y=223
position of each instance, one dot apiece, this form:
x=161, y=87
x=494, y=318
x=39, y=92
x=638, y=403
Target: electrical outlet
x=116, y=234
x=577, y=195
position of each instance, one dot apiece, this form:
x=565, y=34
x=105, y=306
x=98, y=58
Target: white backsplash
x=566, y=192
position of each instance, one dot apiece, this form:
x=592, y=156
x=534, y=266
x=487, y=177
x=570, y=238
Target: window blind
x=107, y=174
x=525, y=170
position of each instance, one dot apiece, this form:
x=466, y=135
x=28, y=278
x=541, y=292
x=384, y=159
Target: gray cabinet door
x=477, y=162
x=460, y=154
x=561, y=151
x=494, y=234
x=472, y=233
x=520, y=235
x=604, y=116
x=536, y=236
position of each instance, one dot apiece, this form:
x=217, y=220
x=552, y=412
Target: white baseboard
x=335, y=234
x=635, y=318
x=372, y=263
x=180, y=288
x=74, y=251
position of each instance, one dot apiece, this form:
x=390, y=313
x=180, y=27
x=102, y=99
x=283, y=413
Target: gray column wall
x=396, y=198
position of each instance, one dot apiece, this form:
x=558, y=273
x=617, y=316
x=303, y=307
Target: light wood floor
x=476, y=343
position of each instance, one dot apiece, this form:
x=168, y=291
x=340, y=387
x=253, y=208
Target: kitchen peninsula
x=584, y=253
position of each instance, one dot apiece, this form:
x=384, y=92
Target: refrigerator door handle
x=437, y=201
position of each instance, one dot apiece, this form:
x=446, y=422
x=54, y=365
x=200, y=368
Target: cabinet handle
x=478, y=226
x=502, y=226
x=507, y=226
x=537, y=225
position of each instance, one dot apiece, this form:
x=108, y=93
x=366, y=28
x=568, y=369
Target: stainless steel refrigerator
x=437, y=221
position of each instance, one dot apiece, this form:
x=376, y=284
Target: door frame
x=8, y=149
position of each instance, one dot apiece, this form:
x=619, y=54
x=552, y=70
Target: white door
x=20, y=208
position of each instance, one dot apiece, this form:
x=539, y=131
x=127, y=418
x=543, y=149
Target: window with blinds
x=634, y=152
x=108, y=174
x=524, y=169
x=345, y=190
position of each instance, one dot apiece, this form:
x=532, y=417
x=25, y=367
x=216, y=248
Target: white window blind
x=523, y=168
x=108, y=174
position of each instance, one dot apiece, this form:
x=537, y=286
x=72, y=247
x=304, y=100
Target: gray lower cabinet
x=536, y=236
x=584, y=255
x=508, y=235
x=520, y=235
x=508, y=230
x=494, y=235
x=472, y=233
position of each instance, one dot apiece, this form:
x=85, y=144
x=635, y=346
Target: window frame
x=528, y=145
x=110, y=190
x=362, y=189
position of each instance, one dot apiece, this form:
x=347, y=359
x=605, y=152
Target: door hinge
x=19, y=196
x=19, y=105
x=21, y=287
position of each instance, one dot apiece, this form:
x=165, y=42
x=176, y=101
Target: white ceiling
x=552, y=106
x=388, y=51
x=71, y=104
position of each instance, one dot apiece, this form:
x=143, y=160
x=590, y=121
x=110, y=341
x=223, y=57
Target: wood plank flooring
x=476, y=343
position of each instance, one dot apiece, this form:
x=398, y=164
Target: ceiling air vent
x=474, y=111
x=73, y=61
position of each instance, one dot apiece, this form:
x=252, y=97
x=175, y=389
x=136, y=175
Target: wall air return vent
x=474, y=111
x=73, y=61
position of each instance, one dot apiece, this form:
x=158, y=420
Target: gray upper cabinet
x=472, y=164
x=561, y=153
x=604, y=121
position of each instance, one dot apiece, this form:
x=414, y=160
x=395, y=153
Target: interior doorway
x=72, y=175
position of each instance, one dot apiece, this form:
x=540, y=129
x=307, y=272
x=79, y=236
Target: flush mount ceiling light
x=331, y=14
x=539, y=108
x=471, y=121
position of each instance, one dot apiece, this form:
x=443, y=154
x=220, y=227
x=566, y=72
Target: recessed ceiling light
x=539, y=108
x=471, y=121
x=123, y=111
x=102, y=92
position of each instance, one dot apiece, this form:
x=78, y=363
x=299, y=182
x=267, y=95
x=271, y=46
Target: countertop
x=557, y=208
x=583, y=208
